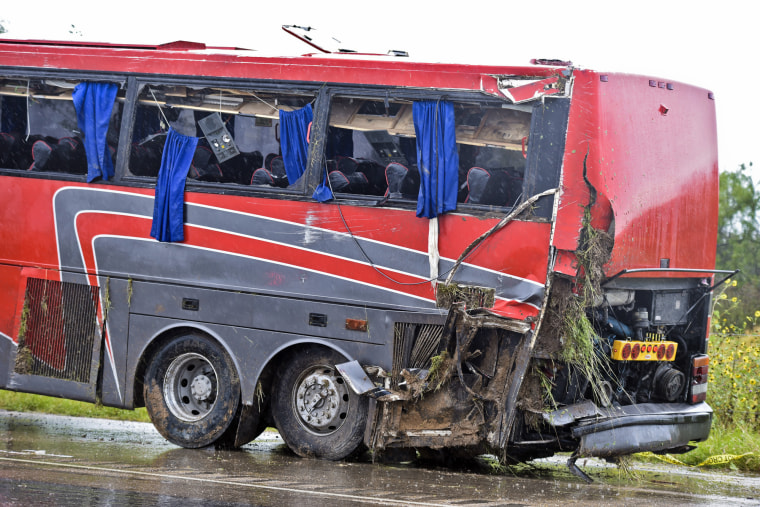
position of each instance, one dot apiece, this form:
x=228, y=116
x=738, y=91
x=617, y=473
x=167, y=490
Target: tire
x=330, y=424
x=192, y=392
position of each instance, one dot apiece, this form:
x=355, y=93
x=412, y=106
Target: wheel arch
x=161, y=338
x=280, y=355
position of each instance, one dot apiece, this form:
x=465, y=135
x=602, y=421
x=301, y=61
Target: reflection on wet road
x=50, y=460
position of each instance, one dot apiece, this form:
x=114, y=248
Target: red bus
x=362, y=251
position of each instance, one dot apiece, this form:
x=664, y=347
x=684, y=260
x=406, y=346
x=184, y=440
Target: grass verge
x=724, y=443
x=24, y=402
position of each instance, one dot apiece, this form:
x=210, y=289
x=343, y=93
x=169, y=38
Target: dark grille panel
x=413, y=346
x=58, y=330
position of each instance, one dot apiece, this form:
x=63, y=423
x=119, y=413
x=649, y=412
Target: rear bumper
x=652, y=427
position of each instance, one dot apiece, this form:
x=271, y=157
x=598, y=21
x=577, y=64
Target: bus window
x=39, y=130
x=490, y=142
x=238, y=131
x=371, y=150
x=365, y=154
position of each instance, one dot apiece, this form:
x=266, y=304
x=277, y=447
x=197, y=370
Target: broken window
x=371, y=149
x=238, y=132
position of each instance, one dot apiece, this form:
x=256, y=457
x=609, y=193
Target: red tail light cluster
x=627, y=350
x=700, y=366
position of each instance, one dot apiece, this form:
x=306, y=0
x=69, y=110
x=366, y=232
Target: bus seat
x=351, y=183
x=240, y=168
x=403, y=183
x=262, y=177
x=268, y=161
x=477, y=180
x=204, y=167
x=347, y=165
x=494, y=187
x=6, y=149
x=277, y=167
x=375, y=174
x=21, y=153
x=71, y=156
x=41, y=154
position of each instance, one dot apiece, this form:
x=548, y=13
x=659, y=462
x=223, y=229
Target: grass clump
x=727, y=448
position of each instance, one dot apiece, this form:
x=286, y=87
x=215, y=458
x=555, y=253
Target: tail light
x=629, y=350
x=700, y=366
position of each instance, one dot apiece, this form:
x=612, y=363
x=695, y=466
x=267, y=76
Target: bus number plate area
x=631, y=350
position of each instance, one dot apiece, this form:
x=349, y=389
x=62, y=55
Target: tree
x=739, y=237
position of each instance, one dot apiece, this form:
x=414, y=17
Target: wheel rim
x=190, y=387
x=320, y=400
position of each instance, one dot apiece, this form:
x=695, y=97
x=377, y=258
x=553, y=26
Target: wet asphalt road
x=51, y=460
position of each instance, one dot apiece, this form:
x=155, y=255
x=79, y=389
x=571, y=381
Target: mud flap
x=250, y=424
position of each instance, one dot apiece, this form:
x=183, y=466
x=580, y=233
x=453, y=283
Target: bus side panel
x=300, y=248
x=250, y=349
x=27, y=236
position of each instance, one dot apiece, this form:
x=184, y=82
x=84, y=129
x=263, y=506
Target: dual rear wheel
x=192, y=394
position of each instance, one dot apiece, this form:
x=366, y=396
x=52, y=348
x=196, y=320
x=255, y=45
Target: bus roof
x=197, y=59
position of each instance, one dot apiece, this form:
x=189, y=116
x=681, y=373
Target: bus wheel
x=315, y=411
x=192, y=392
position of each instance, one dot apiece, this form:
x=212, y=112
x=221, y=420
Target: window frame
x=24, y=73
x=383, y=93
x=137, y=84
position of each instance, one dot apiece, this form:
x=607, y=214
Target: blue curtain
x=437, y=157
x=94, y=103
x=294, y=129
x=168, y=206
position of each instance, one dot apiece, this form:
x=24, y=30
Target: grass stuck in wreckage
x=733, y=394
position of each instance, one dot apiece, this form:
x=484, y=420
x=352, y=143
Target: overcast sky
x=712, y=45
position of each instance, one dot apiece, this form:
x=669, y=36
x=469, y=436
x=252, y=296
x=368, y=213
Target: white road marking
x=364, y=499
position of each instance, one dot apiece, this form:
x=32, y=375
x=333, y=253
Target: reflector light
x=631, y=350
x=626, y=351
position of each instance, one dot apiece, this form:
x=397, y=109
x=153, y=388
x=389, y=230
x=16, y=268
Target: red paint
x=656, y=174
x=648, y=151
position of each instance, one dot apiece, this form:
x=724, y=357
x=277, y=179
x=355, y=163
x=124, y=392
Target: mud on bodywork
x=522, y=390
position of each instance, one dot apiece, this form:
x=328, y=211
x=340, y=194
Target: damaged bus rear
x=615, y=361
x=364, y=252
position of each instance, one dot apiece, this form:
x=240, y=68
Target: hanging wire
x=159, y=105
x=361, y=249
x=372, y=263
x=261, y=100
